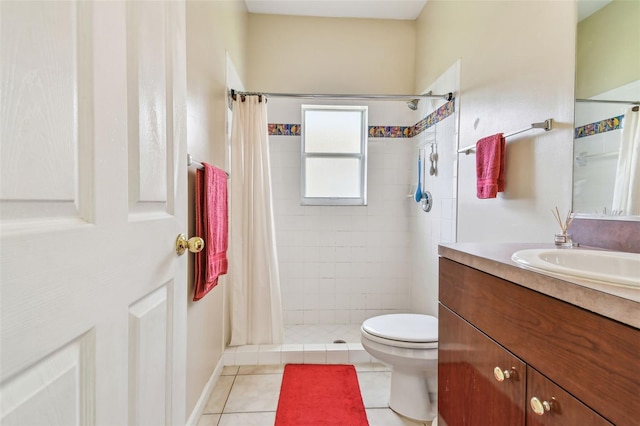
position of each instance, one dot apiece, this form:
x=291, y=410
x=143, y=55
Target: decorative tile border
x=435, y=117
x=277, y=129
x=613, y=123
x=390, y=131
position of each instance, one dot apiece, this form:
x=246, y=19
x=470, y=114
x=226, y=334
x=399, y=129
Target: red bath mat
x=320, y=395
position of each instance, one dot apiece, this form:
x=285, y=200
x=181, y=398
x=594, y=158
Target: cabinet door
x=559, y=408
x=468, y=392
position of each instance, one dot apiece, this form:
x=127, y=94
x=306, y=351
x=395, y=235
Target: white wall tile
x=346, y=258
x=292, y=354
x=269, y=354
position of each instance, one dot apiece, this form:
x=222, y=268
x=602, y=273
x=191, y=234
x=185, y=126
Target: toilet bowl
x=408, y=343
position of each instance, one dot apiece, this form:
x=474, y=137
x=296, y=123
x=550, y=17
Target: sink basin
x=608, y=267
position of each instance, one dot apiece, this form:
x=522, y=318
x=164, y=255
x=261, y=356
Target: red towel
x=490, y=156
x=212, y=224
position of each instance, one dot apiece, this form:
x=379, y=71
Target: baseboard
x=206, y=393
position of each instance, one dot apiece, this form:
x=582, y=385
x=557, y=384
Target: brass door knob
x=501, y=374
x=540, y=407
x=193, y=244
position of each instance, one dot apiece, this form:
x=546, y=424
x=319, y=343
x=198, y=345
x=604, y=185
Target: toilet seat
x=403, y=330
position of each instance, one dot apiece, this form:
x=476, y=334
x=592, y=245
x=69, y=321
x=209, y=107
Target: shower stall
x=342, y=264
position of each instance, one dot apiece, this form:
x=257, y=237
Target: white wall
x=213, y=29
x=516, y=67
x=296, y=54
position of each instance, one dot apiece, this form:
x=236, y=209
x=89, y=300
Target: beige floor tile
x=260, y=369
x=209, y=420
x=248, y=419
x=387, y=417
x=219, y=395
x=250, y=397
x=374, y=387
x=254, y=393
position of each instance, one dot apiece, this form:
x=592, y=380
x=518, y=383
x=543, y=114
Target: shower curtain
x=626, y=193
x=256, y=305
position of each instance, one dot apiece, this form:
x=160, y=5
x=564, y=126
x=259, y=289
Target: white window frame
x=362, y=157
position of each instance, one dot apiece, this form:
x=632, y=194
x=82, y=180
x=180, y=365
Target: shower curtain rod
x=603, y=101
x=448, y=96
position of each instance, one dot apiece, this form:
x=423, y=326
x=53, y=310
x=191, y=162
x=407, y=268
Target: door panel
x=468, y=393
x=40, y=104
x=54, y=391
x=93, y=308
x=147, y=74
x=564, y=409
x=149, y=326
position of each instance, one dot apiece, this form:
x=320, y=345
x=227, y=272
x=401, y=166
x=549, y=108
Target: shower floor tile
x=309, y=344
x=322, y=333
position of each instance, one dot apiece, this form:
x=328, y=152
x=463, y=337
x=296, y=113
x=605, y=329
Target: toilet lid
x=403, y=327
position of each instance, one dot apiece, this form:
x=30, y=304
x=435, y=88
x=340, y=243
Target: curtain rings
x=243, y=97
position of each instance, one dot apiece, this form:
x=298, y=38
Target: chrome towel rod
x=234, y=93
x=192, y=162
x=546, y=125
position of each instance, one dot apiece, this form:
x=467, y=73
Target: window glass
x=333, y=177
x=333, y=131
x=334, y=155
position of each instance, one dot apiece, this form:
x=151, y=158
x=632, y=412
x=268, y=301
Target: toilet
x=408, y=343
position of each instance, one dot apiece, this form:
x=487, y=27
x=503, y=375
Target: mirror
x=607, y=69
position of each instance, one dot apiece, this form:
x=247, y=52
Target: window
x=334, y=155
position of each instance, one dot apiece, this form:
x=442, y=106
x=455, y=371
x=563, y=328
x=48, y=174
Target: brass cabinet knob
x=501, y=374
x=540, y=407
x=193, y=244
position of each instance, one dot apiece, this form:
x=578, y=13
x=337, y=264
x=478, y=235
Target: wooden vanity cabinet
x=565, y=410
x=468, y=394
x=585, y=365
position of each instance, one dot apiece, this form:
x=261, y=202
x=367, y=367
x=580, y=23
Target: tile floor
x=248, y=396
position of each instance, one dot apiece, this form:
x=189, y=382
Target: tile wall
x=439, y=225
x=343, y=264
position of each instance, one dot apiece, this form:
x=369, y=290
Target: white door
x=93, y=295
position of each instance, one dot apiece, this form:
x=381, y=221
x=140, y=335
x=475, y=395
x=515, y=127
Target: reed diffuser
x=563, y=239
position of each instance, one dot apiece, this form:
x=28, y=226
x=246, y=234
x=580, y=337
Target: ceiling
x=588, y=7
x=381, y=9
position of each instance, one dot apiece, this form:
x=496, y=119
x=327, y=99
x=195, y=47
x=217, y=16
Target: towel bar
x=192, y=162
x=546, y=125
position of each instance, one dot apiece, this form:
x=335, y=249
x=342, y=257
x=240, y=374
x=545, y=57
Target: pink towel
x=212, y=224
x=490, y=156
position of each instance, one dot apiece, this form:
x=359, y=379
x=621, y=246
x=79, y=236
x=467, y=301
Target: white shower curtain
x=626, y=193
x=256, y=305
